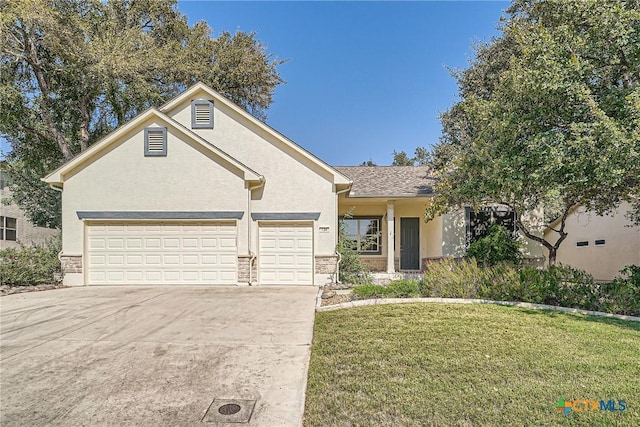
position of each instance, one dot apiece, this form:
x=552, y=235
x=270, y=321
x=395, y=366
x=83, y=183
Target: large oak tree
x=73, y=70
x=549, y=116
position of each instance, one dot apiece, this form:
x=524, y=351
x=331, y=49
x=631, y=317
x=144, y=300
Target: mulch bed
x=8, y=290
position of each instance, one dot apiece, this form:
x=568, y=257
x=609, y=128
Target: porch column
x=391, y=244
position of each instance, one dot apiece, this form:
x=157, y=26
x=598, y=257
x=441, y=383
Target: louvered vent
x=155, y=142
x=202, y=114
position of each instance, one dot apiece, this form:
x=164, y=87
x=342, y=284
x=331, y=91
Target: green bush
x=351, y=268
x=497, y=246
x=622, y=295
x=452, y=279
x=558, y=285
x=395, y=289
x=29, y=265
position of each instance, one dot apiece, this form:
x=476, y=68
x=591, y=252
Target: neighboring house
x=198, y=192
x=15, y=228
x=600, y=245
x=383, y=213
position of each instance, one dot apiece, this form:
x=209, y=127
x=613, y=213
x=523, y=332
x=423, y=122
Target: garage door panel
x=286, y=254
x=162, y=254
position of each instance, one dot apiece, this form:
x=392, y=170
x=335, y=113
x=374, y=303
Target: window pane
x=10, y=235
x=370, y=236
x=11, y=222
x=368, y=226
x=351, y=227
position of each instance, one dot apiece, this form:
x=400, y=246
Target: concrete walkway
x=155, y=356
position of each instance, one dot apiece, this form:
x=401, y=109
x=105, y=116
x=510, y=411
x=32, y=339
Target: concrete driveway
x=155, y=356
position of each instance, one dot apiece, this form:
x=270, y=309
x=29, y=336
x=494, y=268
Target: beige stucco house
x=600, y=245
x=198, y=192
x=15, y=228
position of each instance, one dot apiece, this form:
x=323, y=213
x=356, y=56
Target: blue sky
x=363, y=78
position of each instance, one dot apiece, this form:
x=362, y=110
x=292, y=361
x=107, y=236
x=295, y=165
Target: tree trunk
x=553, y=252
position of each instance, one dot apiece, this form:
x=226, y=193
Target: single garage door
x=161, y=253
x=286, y=254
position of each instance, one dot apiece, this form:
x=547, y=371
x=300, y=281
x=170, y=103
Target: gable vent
x=202, y=114
x=155, y=141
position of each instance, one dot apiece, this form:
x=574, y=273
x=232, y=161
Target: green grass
x=469, y=365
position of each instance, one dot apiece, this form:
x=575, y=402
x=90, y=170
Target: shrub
x=558, y=285
x=501, y=283
x=395, y=289
x=29, y=265
x=452, y=279
x=351, y=268
x=622, y=295
x=497, y=246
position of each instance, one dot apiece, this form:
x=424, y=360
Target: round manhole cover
x=229, y=409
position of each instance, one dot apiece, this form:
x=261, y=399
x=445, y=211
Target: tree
x=73, y=70
x=368, y=163
x=421, y=157
x=401, y=159
x=548, y=117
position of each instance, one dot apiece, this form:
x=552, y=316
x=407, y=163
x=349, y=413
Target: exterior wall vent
x=155, y=141
x=202, y=114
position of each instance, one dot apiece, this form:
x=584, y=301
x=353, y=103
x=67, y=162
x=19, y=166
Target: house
x=198, y=191
x=15, y=227
x=390, y=202
x=600, y=245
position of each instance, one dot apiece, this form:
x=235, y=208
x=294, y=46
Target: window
x=155, y=142
x=600, y=242
x=363, y=234
x=478, y=222
x=202, y=114
x=8, y=228
x=582, y=243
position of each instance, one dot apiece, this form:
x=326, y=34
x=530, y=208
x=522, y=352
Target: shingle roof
x=388, y=181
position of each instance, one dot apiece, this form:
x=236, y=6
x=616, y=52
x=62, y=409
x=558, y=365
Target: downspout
x=59, y=253
x=250, y=225
x=338, y=193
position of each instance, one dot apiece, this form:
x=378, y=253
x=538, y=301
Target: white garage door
x=162, y=253
x=286, y=254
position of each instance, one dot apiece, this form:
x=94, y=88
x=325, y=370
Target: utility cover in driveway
x=162, y=253
x=229, y=411
x=286, y=254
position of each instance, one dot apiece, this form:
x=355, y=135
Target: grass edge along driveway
x=469, y=365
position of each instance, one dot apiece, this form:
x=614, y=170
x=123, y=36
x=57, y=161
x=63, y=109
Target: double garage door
x=162, y=253
x=194, y=253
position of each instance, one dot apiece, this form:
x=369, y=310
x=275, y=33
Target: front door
x=409, y=243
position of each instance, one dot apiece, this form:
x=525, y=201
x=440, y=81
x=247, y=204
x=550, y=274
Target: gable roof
x=389, y=181
x=57, y=177
x=338, y=178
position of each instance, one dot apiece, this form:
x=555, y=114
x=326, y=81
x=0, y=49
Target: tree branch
x=31, y=57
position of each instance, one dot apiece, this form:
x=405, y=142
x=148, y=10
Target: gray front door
x=409, y=243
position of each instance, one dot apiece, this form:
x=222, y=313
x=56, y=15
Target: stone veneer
x=71, y=263
x=326, y=264
x=375, y=264
x=243, y=269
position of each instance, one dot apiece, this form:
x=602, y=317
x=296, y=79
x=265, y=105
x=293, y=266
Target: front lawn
x=469, y=365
